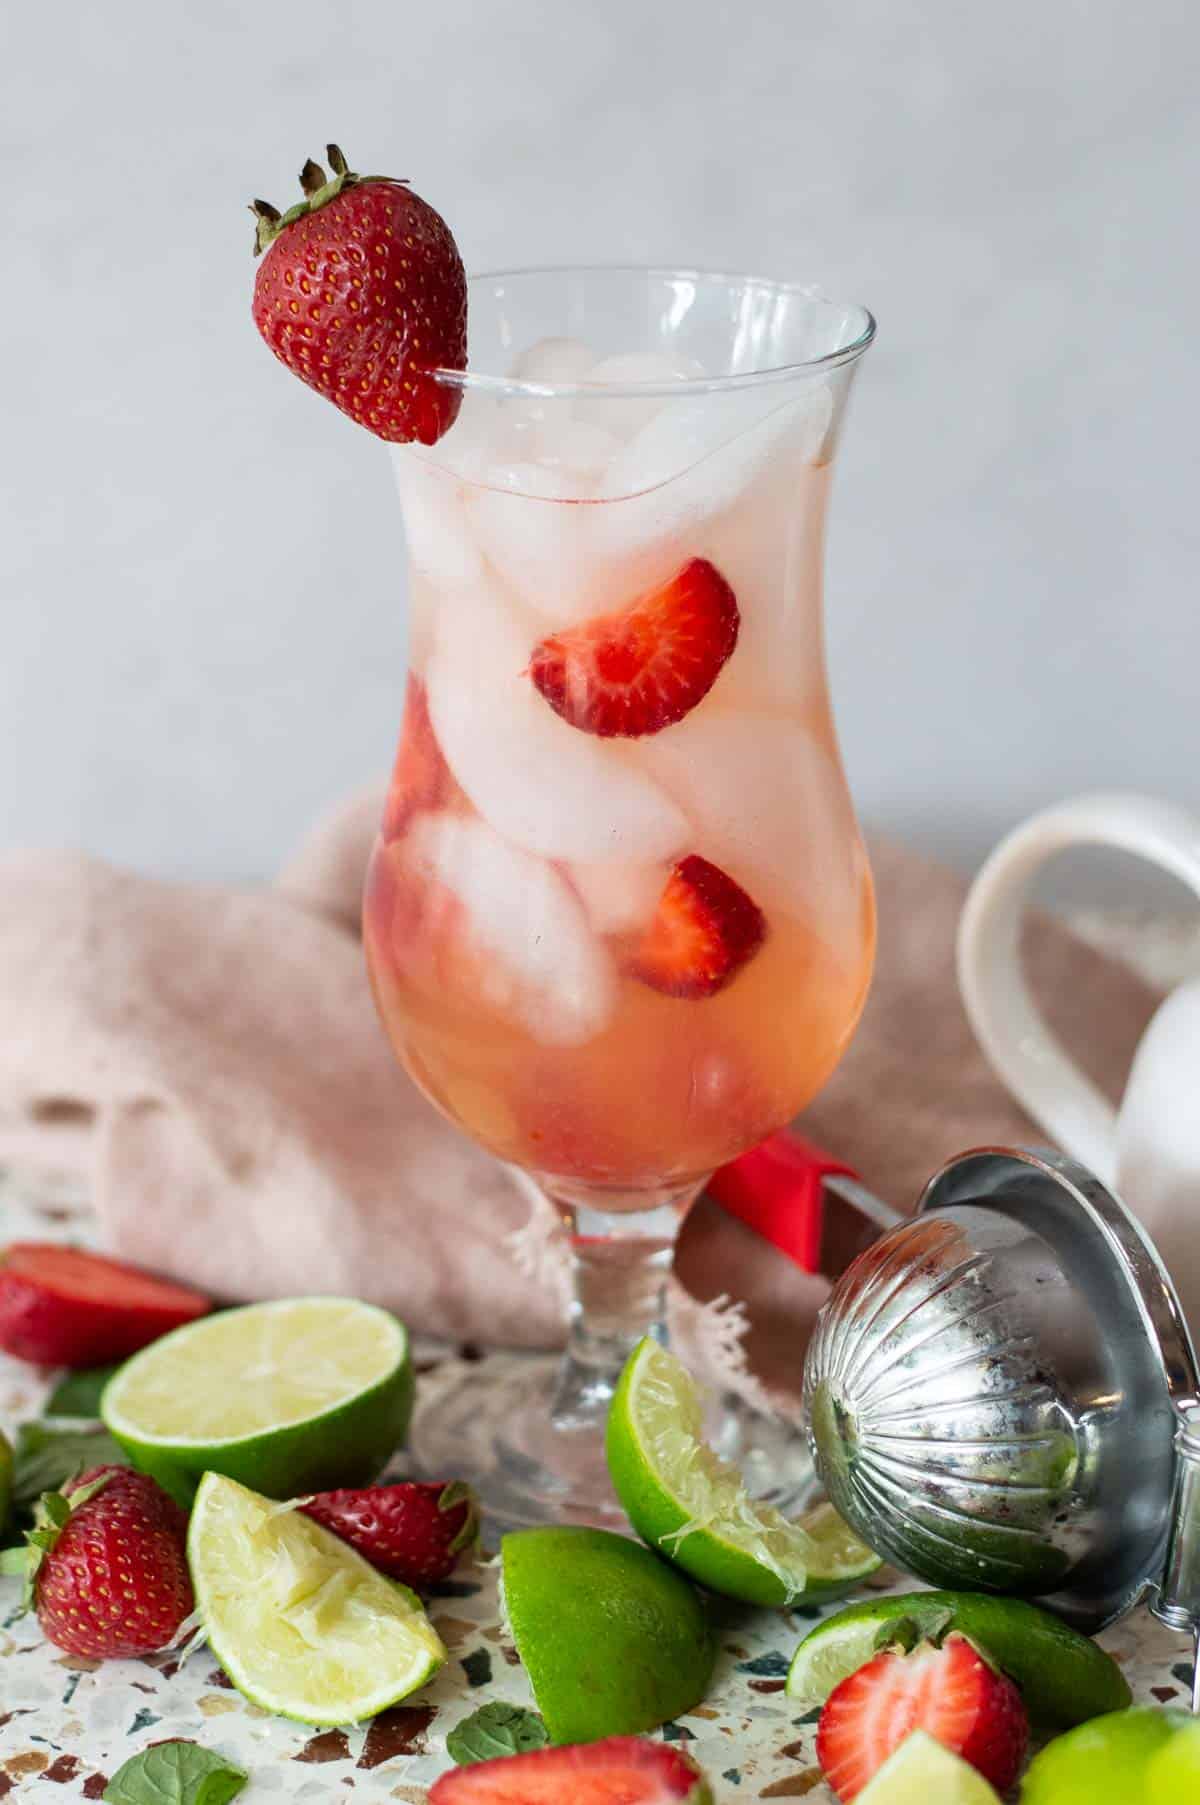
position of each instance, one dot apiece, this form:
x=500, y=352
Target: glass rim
x=487, y=383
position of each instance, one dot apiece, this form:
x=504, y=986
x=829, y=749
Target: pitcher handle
x=1007, y=1023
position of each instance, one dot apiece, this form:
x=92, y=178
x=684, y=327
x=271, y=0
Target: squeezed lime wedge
x=301, y=1623
x=693, y=1507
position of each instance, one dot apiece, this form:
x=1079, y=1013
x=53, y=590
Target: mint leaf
x=175, y=1773
x=494, y=1730
x=48, y=1454
x=79, y=1393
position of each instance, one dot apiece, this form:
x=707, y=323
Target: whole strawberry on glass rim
x=361, y=292
x=105, y=1565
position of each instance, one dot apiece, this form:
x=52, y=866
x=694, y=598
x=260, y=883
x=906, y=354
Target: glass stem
x=620, y=1261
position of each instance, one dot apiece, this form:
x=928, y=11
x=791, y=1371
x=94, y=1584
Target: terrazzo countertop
x=67, y=1724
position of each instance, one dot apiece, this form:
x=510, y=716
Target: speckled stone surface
x=66, y=1725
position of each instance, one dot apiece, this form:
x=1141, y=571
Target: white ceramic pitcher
x=1149, y=1149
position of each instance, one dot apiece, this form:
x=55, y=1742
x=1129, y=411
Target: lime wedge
x=300, y=1622
x=296, y=1396
x=921, y=1771
x=613, y=1639
x=693, y=1507
x=1064, y=1677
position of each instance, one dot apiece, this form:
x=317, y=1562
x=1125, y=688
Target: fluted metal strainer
x=1003, y=1396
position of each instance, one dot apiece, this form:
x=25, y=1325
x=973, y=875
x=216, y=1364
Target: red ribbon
x=777, y=1189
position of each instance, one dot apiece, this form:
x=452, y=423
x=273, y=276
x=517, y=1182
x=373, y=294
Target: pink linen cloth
x=207, y=1060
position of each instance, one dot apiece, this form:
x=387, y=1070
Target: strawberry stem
x=319, y=190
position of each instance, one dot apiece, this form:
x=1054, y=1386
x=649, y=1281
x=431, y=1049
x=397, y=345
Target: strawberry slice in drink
x=60, y=1306
x=622, y=1770
x=633, y=672
x=421, y=778
x=950, y=1692
x=705, y=929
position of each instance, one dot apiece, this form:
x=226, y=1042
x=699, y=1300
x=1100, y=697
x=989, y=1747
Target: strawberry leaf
x=495, y=1730
x=48, y=1454
x=175, y=1773
x=450, y=1498
x=57, y=1509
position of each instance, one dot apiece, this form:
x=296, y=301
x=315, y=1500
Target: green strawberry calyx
x=51, y=1515
x=319, y=190
x=903, y=1635
x=450, y=1498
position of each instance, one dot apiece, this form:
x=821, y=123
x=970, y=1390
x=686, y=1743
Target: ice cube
x=767, y=803
x=581, y=448
x=532, y=423
x=542, y=784
x=472, y=442
x=697, y=467
x=436, y=527
x=620, y=895
x=627, y=414
x=557, y=362
x=720, y=440
x=537, y=539
x=537, y=957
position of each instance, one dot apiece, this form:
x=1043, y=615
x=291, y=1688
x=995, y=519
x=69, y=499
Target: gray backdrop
x=202, y=582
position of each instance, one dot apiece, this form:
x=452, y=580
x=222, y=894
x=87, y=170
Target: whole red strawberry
x=414, y=1533
x=106, y=1566
x=361, y=294
x=950, y=1692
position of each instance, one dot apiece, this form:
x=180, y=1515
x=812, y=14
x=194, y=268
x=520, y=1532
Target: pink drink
x=515, y=900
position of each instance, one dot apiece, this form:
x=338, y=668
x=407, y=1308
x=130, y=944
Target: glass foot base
x=490, y=1424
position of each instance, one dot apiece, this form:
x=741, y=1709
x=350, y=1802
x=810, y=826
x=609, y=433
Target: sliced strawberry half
x=705, y=929
x=950, y=1692
x=60, y=1306
x=633, y=672
x=421, y=778
x=624, y=1770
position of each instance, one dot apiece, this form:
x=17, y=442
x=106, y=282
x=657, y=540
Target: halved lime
x=922, y=1771
x=300, y=1395
x=1106, y=1762
x=613, y=1639
x=692, y=1506
x=301, y=1623
x=1064, y=1677
x=1174, y=1772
